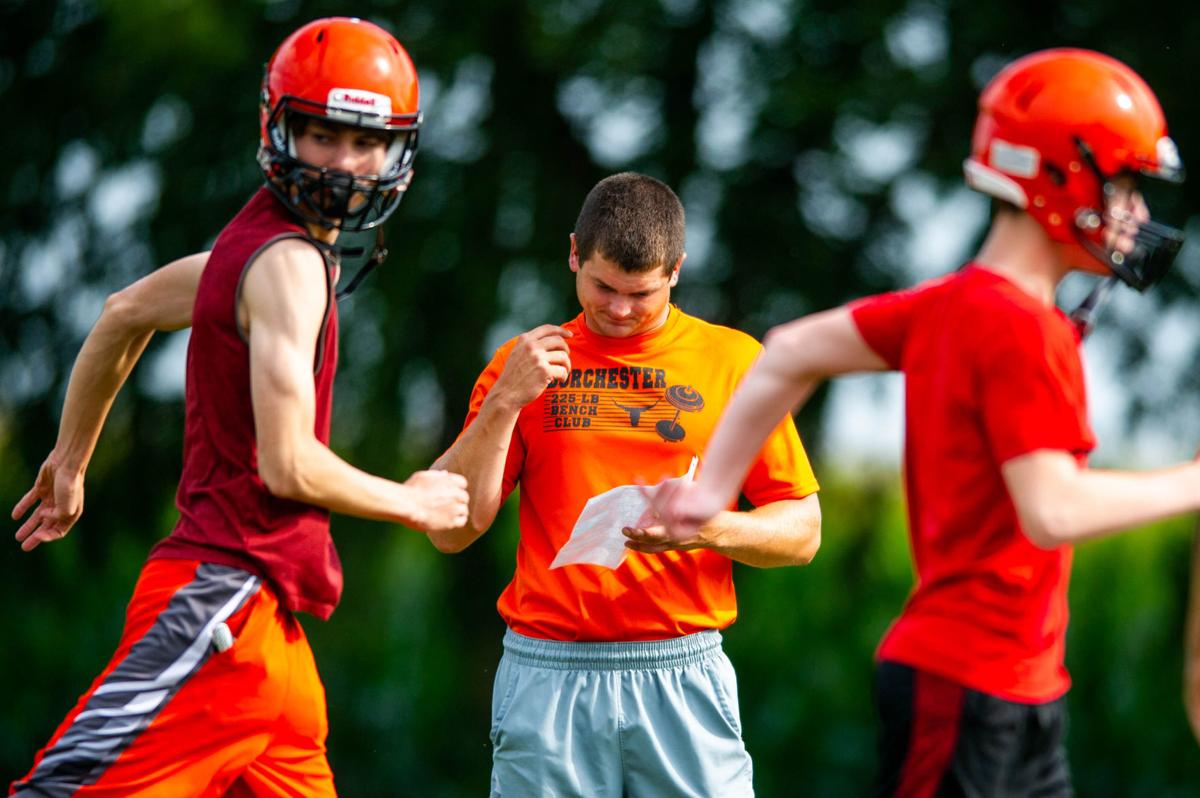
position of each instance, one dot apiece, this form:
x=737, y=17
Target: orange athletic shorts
x=173, y=716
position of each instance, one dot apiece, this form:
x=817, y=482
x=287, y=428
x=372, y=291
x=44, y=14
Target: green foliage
x=1124, y=650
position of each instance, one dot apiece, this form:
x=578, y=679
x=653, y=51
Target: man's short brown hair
x=632, y=220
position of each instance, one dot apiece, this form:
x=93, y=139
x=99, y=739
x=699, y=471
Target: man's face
x=347, y=154
x=355, y=150
x=617, y=303
x=1125, y=210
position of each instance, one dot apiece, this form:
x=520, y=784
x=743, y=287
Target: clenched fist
x=439, y=501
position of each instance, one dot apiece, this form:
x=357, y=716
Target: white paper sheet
x=596, y=538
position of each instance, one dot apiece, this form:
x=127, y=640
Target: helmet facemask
x=1120, y=233
x=333, y=198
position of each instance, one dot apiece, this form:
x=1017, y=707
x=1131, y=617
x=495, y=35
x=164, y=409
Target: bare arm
x=284, y=301
x=780, y=533
x=797, y=356
x=479, y=455
x=539, y=356
x=161, y=300
x=1058, y=501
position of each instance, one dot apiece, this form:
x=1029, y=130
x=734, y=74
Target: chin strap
x=1084, y=316
x=378, y=255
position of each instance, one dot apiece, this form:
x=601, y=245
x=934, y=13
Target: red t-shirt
x=991, y=374
x=226, y=515
x=635, y=408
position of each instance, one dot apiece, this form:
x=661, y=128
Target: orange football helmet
x=1055, y=129
x=350, y=72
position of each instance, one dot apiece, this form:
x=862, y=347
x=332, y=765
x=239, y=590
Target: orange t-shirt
x=635, y=408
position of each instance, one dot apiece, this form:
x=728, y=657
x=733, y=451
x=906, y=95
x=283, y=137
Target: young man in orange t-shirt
x=613, y=681
x=971, y=681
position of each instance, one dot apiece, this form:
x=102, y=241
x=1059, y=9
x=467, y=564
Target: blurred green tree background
x=817, y=148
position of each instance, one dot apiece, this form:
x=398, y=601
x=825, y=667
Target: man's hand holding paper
x=614, y=522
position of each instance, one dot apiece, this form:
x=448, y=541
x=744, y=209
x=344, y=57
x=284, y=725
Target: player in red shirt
x=970, y=680
x=213, y=689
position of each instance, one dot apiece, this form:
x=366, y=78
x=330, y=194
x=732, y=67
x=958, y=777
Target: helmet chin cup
x=1154, y=248
x=329, y=192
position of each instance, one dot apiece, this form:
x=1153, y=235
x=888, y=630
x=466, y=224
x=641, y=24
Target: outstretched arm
x=480, y=453
x=161, y=300
x=796, y=357
x=284, y=299
x=780, y=533
x=1060, y=501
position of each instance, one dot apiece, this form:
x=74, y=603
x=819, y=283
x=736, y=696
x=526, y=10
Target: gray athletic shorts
x=609, y=720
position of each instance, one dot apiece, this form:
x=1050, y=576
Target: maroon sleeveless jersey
x=227, y=515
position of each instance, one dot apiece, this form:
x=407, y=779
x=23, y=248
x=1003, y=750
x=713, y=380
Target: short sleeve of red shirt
x=1030, y=384
x=883, y=321
x=516, y=448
